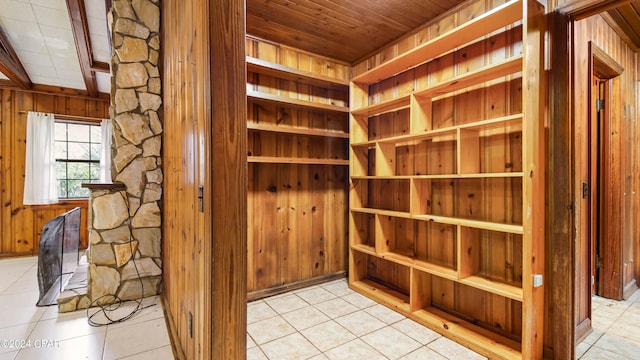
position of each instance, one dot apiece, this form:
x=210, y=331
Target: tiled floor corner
x=46, y=334
x=326, y=321
x=330, y=321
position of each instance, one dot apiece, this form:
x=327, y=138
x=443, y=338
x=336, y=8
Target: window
x=77, y=157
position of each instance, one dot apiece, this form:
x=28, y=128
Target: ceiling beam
x=11, y=66
x=80, y=29
x=99, y=66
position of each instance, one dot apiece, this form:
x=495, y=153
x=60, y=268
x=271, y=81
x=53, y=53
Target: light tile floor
x=46, y=334
x=327, y=321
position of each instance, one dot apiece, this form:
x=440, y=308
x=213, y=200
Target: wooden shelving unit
x=279, y=73
x=254, y=96
x=298, y=158
x=446, y=214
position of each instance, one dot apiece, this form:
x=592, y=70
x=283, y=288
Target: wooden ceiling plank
x=330, y=23
x=620, y=24
x=339, y=49
x=10, y=64
x=80, y=29
x=631, y=15
x=345, y=30
x=398, y=15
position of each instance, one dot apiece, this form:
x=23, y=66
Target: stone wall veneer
x=125, y=223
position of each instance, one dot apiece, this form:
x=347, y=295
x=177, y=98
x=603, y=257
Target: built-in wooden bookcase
x=298, y=156
x=447, y=196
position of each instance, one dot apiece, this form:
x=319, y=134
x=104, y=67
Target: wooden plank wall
x=20, y=225
x=625, y=151
x=185, y=104
x=297, y=213
x=204, y=143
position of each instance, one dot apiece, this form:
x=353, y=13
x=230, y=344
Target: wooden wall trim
x=560, y=175
x=580, y=9
x=176, y=346
x=228, y=179
x=57, y=90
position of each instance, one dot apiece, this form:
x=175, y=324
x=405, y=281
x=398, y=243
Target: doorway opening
x=603, y=187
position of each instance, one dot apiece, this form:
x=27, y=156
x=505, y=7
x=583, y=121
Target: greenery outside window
x=77, y=157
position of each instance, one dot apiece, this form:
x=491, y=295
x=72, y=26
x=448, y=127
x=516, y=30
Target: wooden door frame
x=561, y=175
x=605, y=67
x=560, y=251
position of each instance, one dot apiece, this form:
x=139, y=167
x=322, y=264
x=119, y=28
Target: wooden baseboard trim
x=259, y=294
x=583, y=330
x=629, y=289
x=18, y=254
x=178, y=352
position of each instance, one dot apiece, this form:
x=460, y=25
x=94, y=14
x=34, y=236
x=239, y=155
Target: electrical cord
x=108, y=307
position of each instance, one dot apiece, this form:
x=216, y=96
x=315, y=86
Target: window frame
x=95, y=163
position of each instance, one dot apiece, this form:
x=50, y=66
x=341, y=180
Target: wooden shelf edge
x=301, y=161
x=384, y=107
x=476, y=338
x=488, y=22
x=367, y=144
x=494, y=287
x=484, y=225
x=392, y=213
x=477, y=224
x=294, y=103
x=297, y=131
x=370, y=250
x=285, y=72
x=482, y=124
x=382, y=294
x=486, y=73
x=376, y=177
x=443, y=176
x=436, y=270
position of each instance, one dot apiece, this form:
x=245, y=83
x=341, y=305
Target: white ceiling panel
x=104, y=82
x=52, y=4
x=40, y=33
x=97, y=21
x=17, y=10
x=52, y=17
x=35, y=58
x=3, y=76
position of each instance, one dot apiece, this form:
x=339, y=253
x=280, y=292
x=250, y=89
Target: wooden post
x=560, y=175
x=228, y=179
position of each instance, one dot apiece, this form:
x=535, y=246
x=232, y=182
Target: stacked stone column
x=126, y=224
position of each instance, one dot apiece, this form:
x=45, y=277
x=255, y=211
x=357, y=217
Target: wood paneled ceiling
x=347, y=30
x=627, y=18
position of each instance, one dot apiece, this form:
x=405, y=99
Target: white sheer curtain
x=40, y=184
x=105, y=153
